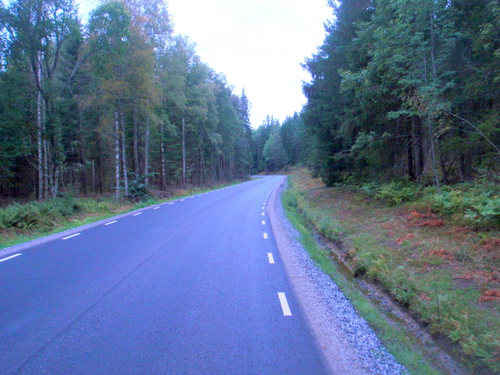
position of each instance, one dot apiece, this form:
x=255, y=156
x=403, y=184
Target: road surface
x=194, y=286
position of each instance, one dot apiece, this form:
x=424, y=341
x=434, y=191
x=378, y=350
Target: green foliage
x=397, y=192
x=478, y=204
x=138, y=190
x=401, y=88
x=274, y=153
x=178, y=119
x=475, y=203
x=47, y=214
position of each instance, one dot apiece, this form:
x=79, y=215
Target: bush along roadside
x=442, y=272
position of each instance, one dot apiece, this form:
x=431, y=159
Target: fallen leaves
x=409, y=236
x=425, y=297
x=431, y=223
x=442, y=253
x=425, y=220
x=490, y=295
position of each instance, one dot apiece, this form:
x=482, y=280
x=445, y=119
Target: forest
x=400, y=90
x=404, y=91
x=112, y=106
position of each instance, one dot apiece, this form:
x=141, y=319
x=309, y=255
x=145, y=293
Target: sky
x=259, y=45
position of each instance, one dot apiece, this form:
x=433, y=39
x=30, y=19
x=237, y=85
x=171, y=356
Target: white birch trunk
x=146, y=153
x=163, y=163
x=124, y=156
x=39, y=136
x=183, y=153
x=136, y=144
x=46, y=181
x=117, y=157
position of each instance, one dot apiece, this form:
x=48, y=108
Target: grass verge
x=441, y=274
x=395, y=339
x=25, y=222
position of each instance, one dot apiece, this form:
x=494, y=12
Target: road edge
x=330, y=339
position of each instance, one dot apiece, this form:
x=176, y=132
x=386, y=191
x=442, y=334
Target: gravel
x=348, y=343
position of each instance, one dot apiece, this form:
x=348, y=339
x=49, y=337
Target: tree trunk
x=444, y=172
x=83, y=158
x=41, y=128
x=93, y=176
x=40, y=147
x=117, y=157
x=146, y=153
x=124, y=155
x=46, y=171
x=136, y=143
x=101, y=163
x=162, y=156
x=434, y=102
x=57, y=177
x=411, y=150
x=183, y=184
x=419, y=153
x=435, y=172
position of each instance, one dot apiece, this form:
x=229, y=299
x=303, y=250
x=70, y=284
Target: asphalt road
x=194, y=286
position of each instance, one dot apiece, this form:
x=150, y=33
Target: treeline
x=406, y=89
x=116, y=105
x=276, y=146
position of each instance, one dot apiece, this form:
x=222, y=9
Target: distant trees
x=275, y=146
x=119, y=101
x=406, y=88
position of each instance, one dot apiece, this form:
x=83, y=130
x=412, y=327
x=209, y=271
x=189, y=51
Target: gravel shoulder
x=349, y=345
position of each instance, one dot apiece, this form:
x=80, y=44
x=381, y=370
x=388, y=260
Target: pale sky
x=257, y=44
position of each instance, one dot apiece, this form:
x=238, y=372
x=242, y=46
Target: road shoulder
x=347, y=342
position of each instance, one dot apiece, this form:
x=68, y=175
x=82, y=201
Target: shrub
x=477, y=204
x=137, y=188
x=48, y=213
x=396, y=192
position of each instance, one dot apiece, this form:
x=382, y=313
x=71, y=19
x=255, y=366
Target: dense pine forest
x=114, y=105
x=399, y=89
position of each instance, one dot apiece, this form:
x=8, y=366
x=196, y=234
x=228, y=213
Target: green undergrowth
x=474, y=204
x=445, y=274
x=395, y=339
x=24, y=222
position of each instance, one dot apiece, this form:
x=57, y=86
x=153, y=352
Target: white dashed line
x=284, y=304
x=111, y=222
x=137, y=214
x=12, y=256
x=171, y=203
x=265, y=236
x=73, y=235
x=156, y=208
x=263, y=214
x=270, y=257
x=263, y=222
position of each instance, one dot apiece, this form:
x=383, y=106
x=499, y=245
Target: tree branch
x=475, y=128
